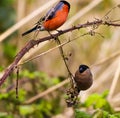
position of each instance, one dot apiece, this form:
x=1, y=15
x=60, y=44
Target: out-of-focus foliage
x=9, y=51
x=81, y=114
x=7, y=14
x=41, y=108
x=7, y=19
x=98, y=101
x=100, y=105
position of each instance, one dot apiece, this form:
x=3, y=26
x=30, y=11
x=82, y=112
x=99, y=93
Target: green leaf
x=98, y=101
x=81, y=114
x=27, y=109
x=103, y=114
x=55, y=80
x=4, y=95
x=105, y=94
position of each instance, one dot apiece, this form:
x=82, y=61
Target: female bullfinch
x=54, y=18
x=83, y=78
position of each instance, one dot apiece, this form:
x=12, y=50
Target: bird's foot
x=59, y=31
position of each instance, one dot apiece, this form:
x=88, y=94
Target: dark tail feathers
x=29, y=31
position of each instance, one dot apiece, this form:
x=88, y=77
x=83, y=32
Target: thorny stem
x=64, y=59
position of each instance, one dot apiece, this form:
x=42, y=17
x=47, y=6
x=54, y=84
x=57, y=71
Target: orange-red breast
x=83, y=78
x=54, y=18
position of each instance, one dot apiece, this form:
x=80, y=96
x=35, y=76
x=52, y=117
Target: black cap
x=82, y=68
x=65, y=3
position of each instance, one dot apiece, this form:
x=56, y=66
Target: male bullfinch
x=54, y=18
x=83, y=78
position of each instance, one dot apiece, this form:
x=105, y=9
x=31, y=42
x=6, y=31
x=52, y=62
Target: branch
x=33, y=43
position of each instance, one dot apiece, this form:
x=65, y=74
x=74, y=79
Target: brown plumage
x=83, y=78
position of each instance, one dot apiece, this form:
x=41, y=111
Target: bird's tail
x=29, y=31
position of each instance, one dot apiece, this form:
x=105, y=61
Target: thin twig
x=64, y=59
x=41, y=54
x=106, y=15
x=17, y=82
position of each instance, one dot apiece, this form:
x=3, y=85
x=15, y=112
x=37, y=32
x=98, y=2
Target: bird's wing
x=51, y=13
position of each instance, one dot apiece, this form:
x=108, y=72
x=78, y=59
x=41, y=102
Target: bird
x=53, y=19
x=83, y=78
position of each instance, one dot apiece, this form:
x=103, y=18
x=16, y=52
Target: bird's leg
x=38, y=30
x=52, y=35
x=36, y=34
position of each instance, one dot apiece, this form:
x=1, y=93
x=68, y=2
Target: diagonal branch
x=33, y=43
